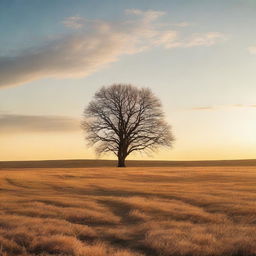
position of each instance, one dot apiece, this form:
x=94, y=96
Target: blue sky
x=197, y=56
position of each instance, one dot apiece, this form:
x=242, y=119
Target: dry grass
x=128, y=212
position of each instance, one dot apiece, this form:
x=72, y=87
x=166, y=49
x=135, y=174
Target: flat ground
x=106, y=211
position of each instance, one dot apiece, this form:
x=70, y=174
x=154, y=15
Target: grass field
x=106, y=211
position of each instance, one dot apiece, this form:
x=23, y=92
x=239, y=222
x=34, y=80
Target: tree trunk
x=122, y=153
x=121, y=161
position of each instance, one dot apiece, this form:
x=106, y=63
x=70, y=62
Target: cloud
x=239, y=106
x=219, y=107
x=206, y=39
x=14, y=123
x=252, y=49
x=197, y=39
x=202, y=108
x=92, y=44
x=182, y=24
x=147, y=16
x=74, y=22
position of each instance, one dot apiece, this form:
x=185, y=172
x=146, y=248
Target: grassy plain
x=134, y=211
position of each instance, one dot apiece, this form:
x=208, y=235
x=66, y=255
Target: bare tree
x=122, y=119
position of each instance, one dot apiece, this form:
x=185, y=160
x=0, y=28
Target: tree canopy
x=123, y=119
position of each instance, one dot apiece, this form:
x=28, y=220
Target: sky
x=197, y=56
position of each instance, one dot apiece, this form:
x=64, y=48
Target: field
x=134, y=211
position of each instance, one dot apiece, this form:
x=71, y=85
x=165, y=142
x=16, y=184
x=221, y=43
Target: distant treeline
x=130, y=163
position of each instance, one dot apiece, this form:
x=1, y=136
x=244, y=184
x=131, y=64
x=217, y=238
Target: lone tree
x=123, y=118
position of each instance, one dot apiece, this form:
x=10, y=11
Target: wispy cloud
x=14, y=123
x=183, y=24
x=206, y=39
x=74, y=22
x=92, y=44
x=221, y=107
x=147, y=16
x=197, y=39
x=202, y=108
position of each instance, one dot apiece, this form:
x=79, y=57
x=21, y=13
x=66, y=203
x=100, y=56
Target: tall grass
x=139, y=211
